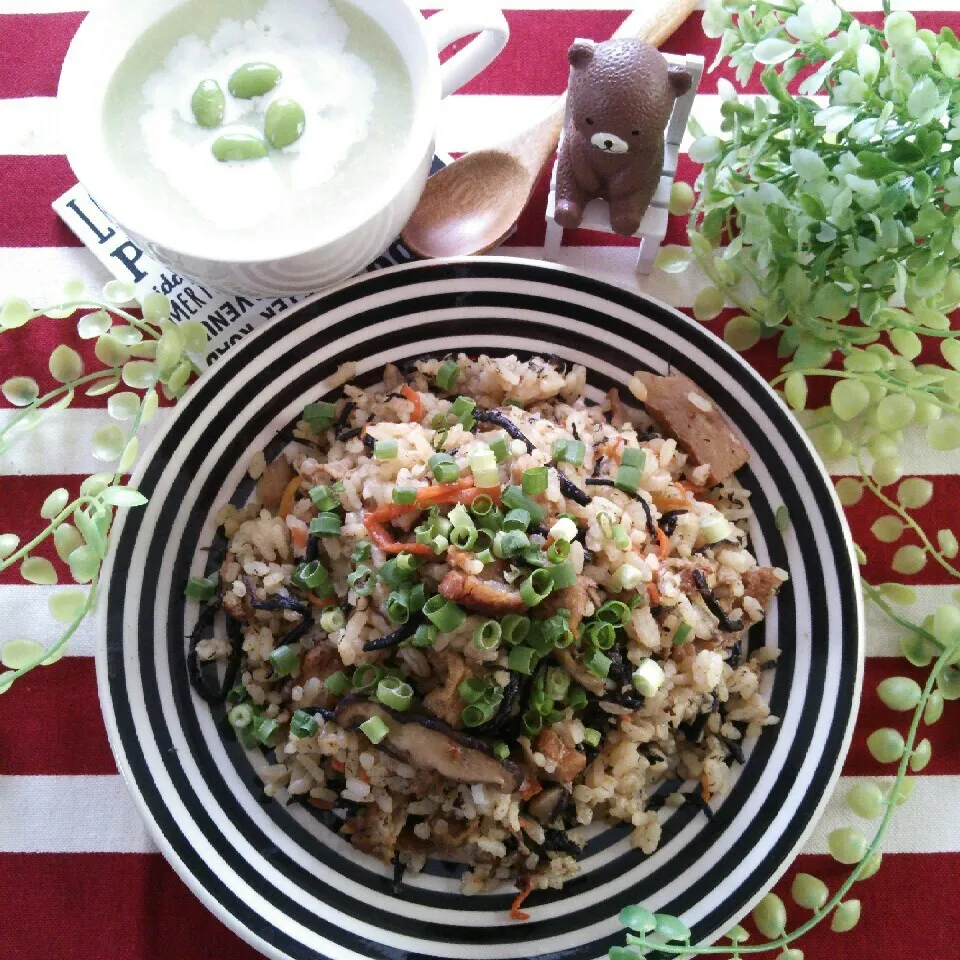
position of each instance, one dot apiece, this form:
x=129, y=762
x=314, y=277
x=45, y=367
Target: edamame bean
x=284, y=123
x=239, y=146
x=208, y=104
x=253, y=80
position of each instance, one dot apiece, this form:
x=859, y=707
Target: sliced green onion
x=417, y=597
x=483, y=466
x=332, y=619
x=285, y=660
x=534, y=481
x=510, y=543
x=517, y=519
x=440, y=439
x=337, y=683
x=463, y=405
x=626, y=577
x=437, y=458
x=615, y=612
x=472, y=689
x=487, y=635
x=564, y=530
x=522, y=660
x=600, y=635
x=303, y=725
x=447, y=375
x=540, y=702
x=633, y=457
x=439, y=420
x=513, y=498
x=491, y=521
x=569, y=451
x=407, y=563
x=398, y=606
x=326, y=525
x=481, y=505
x=563, y=575
x=477, y=713
x=514, y=628
x=240, y=716
x=375, y=729
x=620, y=537
x=464, y=537
x=598, y=664
x=385, y=449
x=361, y=551
x=681, y=633
x=320, y=416
x=201, y=588
x=424, y=636
x=444, y=614
x=446, y=472
x=536, y=587
x=395, y=693
x=439, y=544
x=361, y=580
x=310, y=576
x=714, y=528
x=592, y=737
x=323, y=498
x=558, y=551
x=500, y=448
x=627, y=479
x=404, y=495
x=781, y=518
x=577, y=698
x=557, y=683
x=532, y=723
x=266, y=730
x=648, y=678
x=459, y=517
x=605, y=524
x=501, y=751
x=366, y=676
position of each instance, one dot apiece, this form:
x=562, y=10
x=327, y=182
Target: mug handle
x=460, y=21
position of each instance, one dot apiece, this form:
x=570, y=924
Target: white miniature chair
x=653, y=229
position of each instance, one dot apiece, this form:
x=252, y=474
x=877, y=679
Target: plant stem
x=874, y=594
x=22, y=552
x=72, y=385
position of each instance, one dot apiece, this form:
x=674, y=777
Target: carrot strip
x=439, y=491
x=515, y=912
x=380, y=536
x=299, y=536
x=289, y=492
x=321, y=602
x=663, y=550
x=665, y=503
x=337, y=765
x=704, y=788
x=471, y=493
x=416, y=415
x=653, y=593
x=685, y=486
x=389, y=511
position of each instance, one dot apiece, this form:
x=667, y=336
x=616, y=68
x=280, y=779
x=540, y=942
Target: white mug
x=317, y=254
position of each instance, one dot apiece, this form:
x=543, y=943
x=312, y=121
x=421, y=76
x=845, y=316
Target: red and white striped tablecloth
x=80, y=878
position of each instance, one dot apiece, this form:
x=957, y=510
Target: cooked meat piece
x=482, y=596
x=273, y=481
x=548, y=804
x=762, y=583
x=374, y=831
x=445, y=701
x=570, y=762
x=580, y=673
x=431, y=745
x=703, y=433
x=573, y=598
x=617, y=418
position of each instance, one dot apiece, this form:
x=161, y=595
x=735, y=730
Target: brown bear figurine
x=619, y=102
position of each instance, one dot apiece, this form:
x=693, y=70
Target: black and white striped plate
x=277, y=875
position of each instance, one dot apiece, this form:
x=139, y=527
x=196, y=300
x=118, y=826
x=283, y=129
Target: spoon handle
x=655, y=20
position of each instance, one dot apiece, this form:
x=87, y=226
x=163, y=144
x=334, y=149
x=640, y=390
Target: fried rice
x=472, y=613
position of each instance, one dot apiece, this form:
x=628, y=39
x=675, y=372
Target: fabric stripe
x=34, y=48
x=102, y=818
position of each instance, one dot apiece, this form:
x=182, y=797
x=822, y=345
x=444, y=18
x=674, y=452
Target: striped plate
x=277, y=875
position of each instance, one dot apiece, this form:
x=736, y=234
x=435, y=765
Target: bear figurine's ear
x=580, y=54
x=680, y=79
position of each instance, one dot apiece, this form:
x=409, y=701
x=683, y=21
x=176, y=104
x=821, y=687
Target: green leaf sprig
x=833, y=225
x=148, y=355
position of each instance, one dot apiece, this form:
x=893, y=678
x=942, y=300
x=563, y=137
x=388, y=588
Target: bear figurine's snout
x=609, y=143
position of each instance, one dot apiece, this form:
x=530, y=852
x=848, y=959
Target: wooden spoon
x=470, y=205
